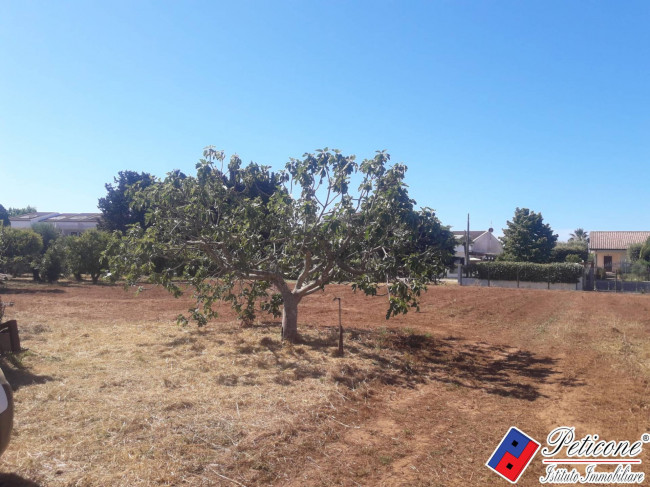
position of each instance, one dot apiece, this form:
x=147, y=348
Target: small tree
x=19, y=249
x=305, y=230
x=118, y=211
x=52, y=263
x=633, y=251
x=48, y=269
x=48, y=232
x=86, y=254
x=644, y=253
x=527, y=238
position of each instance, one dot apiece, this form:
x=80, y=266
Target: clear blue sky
x=491, y=104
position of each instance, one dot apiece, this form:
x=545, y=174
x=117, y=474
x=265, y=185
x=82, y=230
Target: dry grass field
x=113, y=393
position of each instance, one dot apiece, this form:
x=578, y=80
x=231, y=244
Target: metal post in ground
x=517, y=276
x=340, y=351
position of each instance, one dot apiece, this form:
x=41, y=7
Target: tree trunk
x=290, y=318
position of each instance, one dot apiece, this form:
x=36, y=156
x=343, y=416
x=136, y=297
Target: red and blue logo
x=513, y=455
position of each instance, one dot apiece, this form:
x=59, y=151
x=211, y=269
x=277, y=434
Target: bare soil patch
x=113, y=392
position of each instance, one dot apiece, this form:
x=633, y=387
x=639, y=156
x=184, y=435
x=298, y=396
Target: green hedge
x=563, y=250
x=526, y=271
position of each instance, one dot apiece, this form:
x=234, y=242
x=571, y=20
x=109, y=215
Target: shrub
x=48, y=232
x=644, y=253
x=19, y=249
x=52, y=263
x=527, y=271
x=86, y=254
x=562, y=250
x=640, y=270
x=573, y=259
x=633, y=251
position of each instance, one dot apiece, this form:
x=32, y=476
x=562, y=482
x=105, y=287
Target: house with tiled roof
x=610, y=248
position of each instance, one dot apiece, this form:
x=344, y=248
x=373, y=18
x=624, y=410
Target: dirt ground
x=113, y=392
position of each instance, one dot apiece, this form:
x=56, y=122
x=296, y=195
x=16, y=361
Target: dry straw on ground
x=113, y=392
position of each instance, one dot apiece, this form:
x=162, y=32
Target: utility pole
x=467, y=243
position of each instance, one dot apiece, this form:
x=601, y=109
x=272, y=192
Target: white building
x=483, y=245
x=66, y=223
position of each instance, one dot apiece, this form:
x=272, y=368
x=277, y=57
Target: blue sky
x=493, y=105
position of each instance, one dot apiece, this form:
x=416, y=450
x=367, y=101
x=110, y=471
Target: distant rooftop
x=55, y=217
x=615, y=240
x=74, y=217
x=31, y=216
x=473, y=234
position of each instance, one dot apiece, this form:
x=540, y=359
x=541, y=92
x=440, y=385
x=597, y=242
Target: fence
x=615, y=282
x=466, y=279
x=618, y=286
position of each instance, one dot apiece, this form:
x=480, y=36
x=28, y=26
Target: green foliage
x=527, y=238
x=19, y=249
x=644, y=253
x=527, y=271
x=48, y=232
x=4, y=217
x=21, y=211
x=48, y=268
x=51, y=265
x=579, y=235
x=562, y=251
x=117, y=207
x=240, y=236
x=640, y=270
x=85, y=253
x=573, y=259
x=634, y=251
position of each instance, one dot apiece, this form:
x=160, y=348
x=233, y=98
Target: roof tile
x=615, y=240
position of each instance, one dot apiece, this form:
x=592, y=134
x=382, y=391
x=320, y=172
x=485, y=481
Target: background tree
x=118, y=211
x=4, y=217
x=49, y=265
x=527, y=238
x=19, y=249
x=86, y=254
x=48, y=232
x=304, y=225
x=21, y=211
x=579, y=235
